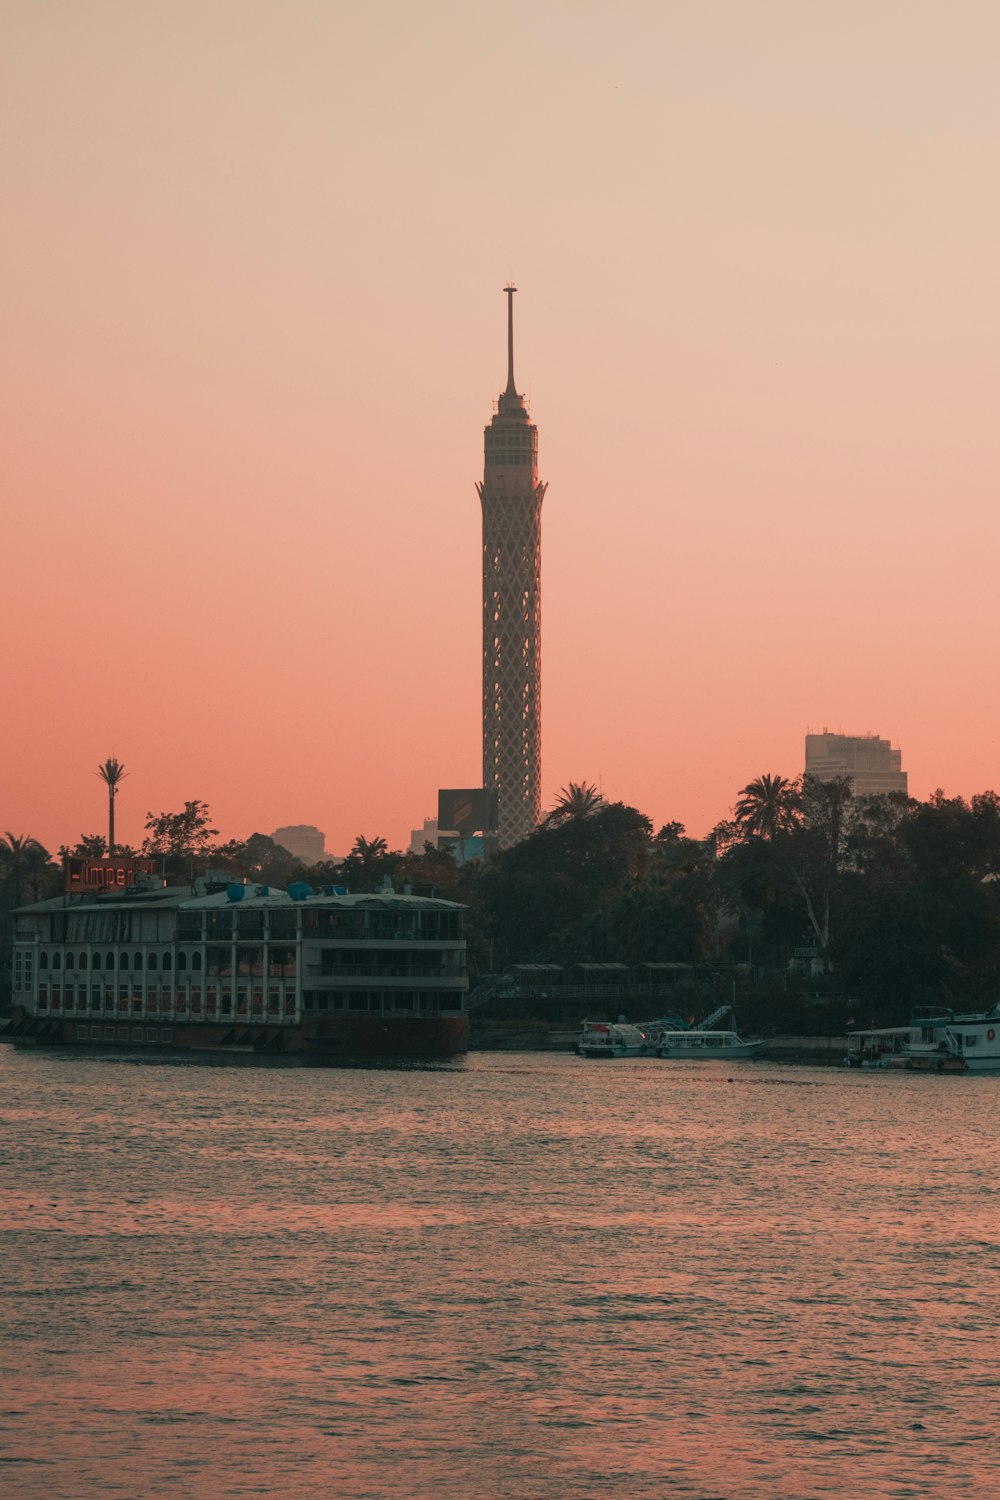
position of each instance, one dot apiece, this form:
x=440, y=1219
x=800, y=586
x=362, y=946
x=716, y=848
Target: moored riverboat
x=935, y=1041
x=612, y=1039
x=702, y=1046
x=225, y=968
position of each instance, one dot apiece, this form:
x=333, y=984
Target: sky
x=251, y=279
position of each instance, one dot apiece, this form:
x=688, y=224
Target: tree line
x=886, y=901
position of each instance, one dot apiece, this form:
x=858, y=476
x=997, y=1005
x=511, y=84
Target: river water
x=521, y=1276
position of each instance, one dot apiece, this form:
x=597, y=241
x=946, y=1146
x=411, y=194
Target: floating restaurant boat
x=226, y=968
x=935, y=1041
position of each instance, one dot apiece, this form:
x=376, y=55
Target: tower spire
x=511, y=390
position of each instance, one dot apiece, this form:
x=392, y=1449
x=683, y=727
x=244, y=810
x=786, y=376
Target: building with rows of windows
x=869, y=763
x=331, y=976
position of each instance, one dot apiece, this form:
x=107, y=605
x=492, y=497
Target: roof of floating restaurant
x=252, y=899
x=370, y=900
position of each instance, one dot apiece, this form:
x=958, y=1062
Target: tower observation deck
x=511, y=499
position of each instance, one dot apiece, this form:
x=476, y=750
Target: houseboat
x=935, y=1041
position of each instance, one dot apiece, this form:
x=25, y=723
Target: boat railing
x=955, y=1048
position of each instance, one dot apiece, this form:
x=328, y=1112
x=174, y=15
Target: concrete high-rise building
x=426, y=835
x=302, y=840
x=873, y=766
x=511, y=498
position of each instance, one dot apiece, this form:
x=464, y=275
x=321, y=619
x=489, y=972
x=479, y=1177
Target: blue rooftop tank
x=235, y=892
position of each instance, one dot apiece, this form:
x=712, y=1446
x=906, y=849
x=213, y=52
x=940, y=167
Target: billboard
x=467, y=809
x=92, y=875
x=464, y=847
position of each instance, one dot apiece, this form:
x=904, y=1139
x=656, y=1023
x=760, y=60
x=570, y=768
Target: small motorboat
x=728, y=1046
x=612, y=1039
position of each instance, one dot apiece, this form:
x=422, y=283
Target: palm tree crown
x=578, y=799
x=112, y=773
x=767, y=806
x=23, y=862
x=369, y=850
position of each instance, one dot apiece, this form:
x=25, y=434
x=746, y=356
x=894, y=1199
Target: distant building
x=303, y=840
x=426, y=835
x=873, y=766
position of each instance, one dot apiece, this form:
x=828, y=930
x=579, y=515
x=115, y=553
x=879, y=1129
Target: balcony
x=427, y=978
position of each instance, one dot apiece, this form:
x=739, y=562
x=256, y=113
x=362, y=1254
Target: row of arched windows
x=124, y=962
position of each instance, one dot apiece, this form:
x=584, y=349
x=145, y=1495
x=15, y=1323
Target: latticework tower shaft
x=511, y=498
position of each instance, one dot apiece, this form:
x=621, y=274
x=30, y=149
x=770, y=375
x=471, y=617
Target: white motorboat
x=703, y=1045
x=612, y=1039
x=935, y=1041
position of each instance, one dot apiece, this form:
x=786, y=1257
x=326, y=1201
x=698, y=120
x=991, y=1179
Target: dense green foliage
x=883, y=902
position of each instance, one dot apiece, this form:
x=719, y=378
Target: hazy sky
x=251, y=270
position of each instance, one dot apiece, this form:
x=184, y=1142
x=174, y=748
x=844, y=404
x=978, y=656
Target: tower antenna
x=511, y=390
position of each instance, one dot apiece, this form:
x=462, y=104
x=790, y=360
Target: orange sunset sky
x=252, y=263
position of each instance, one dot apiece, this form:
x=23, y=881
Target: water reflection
x=529, y=1277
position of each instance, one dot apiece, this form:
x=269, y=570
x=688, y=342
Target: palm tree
x=767, y=806
x=112, y=772
x=23, y=862
x=579, y=799
x=369, y=850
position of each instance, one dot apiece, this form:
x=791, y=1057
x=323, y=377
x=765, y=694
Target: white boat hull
x=703, y=1046
x=611, y=1051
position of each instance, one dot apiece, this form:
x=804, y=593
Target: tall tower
x=511, y=497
